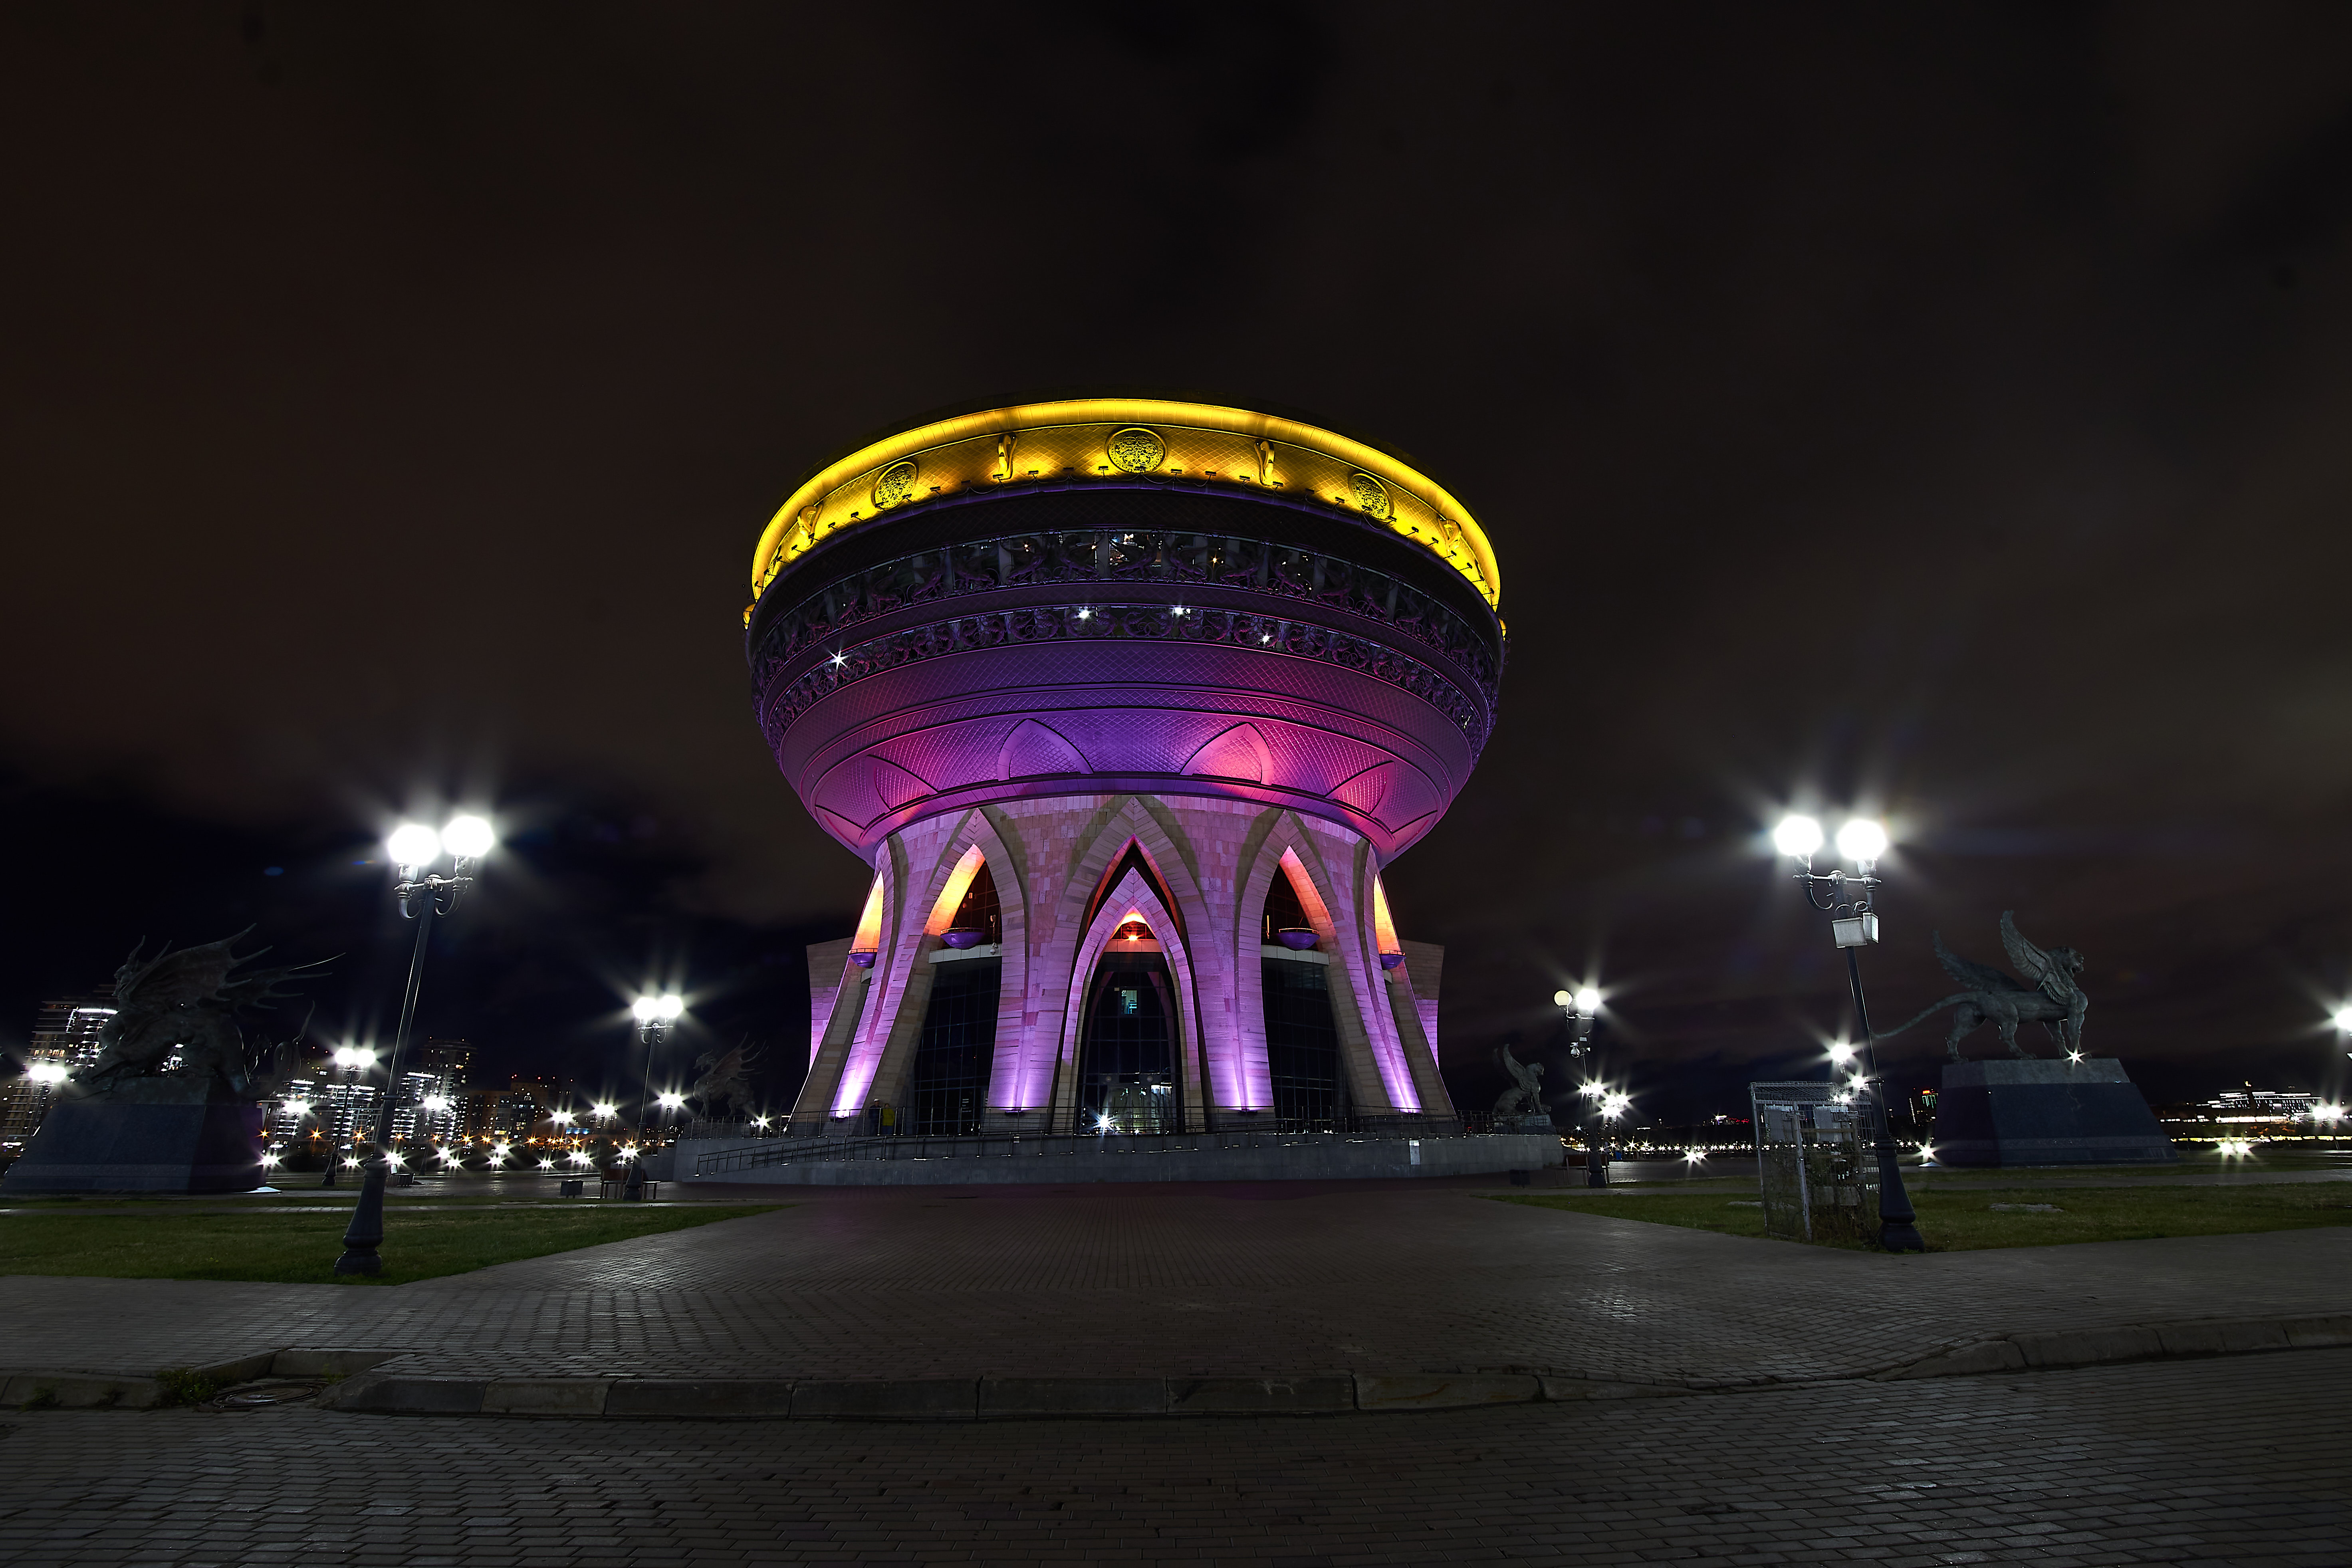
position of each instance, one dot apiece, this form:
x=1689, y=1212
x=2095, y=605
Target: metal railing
x=1052, y=1145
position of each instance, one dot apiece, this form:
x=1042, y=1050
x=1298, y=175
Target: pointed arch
x=950, y=851
x=1035, y=750
x=1239, y=754
x=1059, y=933
x=1380, y=1077
x=1132, y=896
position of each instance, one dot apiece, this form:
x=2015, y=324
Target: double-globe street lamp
x=654, y=1014
x=1579, y=1007
x=1854, y=923
x=423, y=894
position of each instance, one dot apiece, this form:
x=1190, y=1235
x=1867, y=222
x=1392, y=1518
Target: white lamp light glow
x=1797, y=836
x=412, y=844
x=468, y=837
x=1862, y=841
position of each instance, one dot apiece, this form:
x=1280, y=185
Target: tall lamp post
x=424, y=893
x=1579, y=1007
x=1854, y=924
x=654, y=1014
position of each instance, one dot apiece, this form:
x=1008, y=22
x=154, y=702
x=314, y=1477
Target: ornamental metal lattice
x=1819, y=1179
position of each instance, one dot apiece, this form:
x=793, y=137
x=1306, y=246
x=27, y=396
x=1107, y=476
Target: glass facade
x=1127, y=1069
x=1302, y=1047
x=948, y=1086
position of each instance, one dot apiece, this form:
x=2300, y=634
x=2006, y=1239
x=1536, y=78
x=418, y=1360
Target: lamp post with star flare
x=1854, y=923
x=423, y=894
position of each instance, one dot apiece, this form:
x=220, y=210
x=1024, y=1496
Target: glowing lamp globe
x=1798, y=838
x=1588, y=1002
x=469, y=837
x=412, y=844
x=1862, y=841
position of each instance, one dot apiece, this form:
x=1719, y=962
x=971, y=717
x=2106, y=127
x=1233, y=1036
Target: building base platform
x=115, y=1146
x=1171, y=1157
x=2041, y=1112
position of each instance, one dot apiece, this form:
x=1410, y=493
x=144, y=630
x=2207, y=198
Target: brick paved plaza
x=1786, y=1452
x=2241, y=1461
x=1280, y=1278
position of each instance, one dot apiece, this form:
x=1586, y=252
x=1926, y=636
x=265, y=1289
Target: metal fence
x=1049, y=1145
x=1819, y=1181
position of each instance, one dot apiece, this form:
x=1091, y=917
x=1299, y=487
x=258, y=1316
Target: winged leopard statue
x=185, y=1003
x=1525, y=1097
x=1988, y=996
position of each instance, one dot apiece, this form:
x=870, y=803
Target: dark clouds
x=1940, y=410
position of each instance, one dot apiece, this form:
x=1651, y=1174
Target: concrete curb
x=2147, y=1342
x=368, y=1385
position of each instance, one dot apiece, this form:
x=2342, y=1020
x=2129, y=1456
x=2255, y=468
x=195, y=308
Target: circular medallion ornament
x=1135, y=450
x=894, y=486
x=1370, y=494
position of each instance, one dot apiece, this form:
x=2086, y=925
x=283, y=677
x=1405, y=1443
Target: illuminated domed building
x=1127, y=703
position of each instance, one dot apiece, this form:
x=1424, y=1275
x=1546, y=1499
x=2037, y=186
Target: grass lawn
x=287, y=1247
x=1955, y=1220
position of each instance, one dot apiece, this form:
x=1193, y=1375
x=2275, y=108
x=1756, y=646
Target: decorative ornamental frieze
x=895, y=485
x=1135, y=450
x=1372, y=496
x=1097, y=623
x=1110, y=558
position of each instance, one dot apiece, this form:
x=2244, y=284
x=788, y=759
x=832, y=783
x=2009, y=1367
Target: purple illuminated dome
x=1144, y=694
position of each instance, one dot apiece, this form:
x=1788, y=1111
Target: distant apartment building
x=340, y=1106
x=2251, y=1104
x=501, y=1115
x=64, y=1041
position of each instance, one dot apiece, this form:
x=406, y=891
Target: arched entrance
x=1128, y=1078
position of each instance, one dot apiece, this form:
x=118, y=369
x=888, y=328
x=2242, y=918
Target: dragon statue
x=1525, y=1097
x=186, y=1004
x=1988, y=996
x=725, y=1080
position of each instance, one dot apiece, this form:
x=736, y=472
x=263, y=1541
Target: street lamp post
x=1854, y=924
x=654, y=1014
x=1579, y=1007
x=423, y=893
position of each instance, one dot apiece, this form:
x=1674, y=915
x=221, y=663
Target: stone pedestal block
x=111, y=1146
x=1998, y=1113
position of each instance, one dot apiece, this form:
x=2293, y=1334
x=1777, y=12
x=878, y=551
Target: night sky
x=1942, y=411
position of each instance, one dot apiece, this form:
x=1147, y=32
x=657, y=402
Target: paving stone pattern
x=2243, y=1462
x=1278, y=1279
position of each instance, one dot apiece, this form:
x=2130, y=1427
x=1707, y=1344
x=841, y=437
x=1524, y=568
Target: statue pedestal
x=2010, y=1113
x=116, y=1146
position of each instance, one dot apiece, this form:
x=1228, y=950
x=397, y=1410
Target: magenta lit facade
x=1157, y=711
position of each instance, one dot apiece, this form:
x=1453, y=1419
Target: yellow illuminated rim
x=1073, y=439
